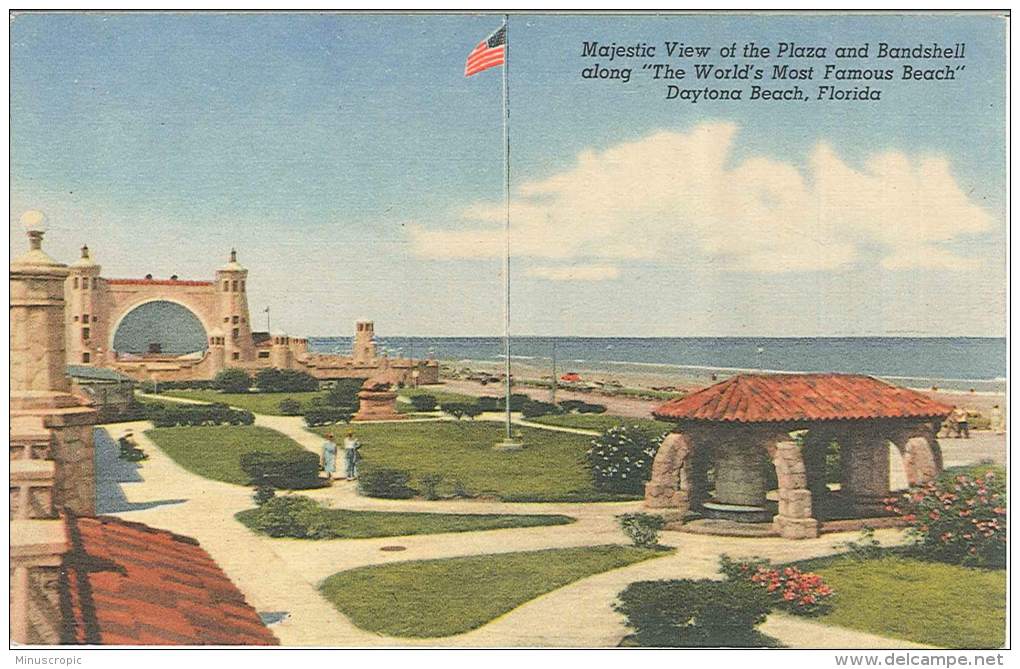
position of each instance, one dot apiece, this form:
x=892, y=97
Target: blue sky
x=345, y=156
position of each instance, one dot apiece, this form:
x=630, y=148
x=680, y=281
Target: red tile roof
x=126, y=583
x=758, y=398
x=157, y=282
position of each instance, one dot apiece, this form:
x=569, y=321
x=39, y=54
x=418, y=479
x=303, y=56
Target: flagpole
x=506, y=195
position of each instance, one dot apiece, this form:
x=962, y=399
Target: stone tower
x=232, y=307
x=86, y=322
x=364, y=343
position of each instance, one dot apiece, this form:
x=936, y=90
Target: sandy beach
x=653, y=379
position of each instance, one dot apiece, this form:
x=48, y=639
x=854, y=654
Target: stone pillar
x=36, y=553
x=864, y=457
x=795, y=519
x=364, y=350
x=922, y=456
x=670, y=485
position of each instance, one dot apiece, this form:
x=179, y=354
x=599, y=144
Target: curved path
x=284, y=574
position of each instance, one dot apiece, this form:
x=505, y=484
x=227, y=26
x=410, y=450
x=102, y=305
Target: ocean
x=958, y=363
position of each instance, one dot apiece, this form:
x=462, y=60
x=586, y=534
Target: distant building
x=96, y=306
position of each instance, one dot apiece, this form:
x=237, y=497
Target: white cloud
x=575, y=272
x=672, y=195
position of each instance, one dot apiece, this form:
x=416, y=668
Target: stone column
x=795, y=519
x=865, y=477
x=922, y=456
x=670, y=485
x=814, y=449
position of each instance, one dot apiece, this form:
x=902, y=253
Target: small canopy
x=784, y=398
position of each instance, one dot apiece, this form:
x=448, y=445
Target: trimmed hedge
x=292, y=470
x=232, y=380
x=199, y=414
x=424, y=403
x=327, y=416
x=535, y=408
x=290, y=407
x=151, y=388
x=701, y=613
x=275, y=380
x=386, y=483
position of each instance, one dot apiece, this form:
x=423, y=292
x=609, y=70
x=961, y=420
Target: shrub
x=386, y=483
x=200, y=414
x=694, y=613
x=424, y=403
x=455, y=409
x=788, y=588
x=642, y=528
x=489, y=403
x=344, y=394
x=290, y=407
x=292, y=470
x=274, y=380
x=294, y=516
x=534, y=409
x=620, y=459
x=572, y=405
x=326, y=416
x=430, y=485
x=959, y=519
x=232, y=380
x=263, y=494
x=472, y=411
x=591, y=408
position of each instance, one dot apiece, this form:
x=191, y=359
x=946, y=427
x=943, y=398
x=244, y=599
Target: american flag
x=490, y=52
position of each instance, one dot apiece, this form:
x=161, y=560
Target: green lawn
x=437, y=598
x=215, y=451
x=550, y=468
x=347, y=524
x=925, y=602
x=264, y=403
x=601, y=422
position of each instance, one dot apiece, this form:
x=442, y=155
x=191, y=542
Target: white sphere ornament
x=33, y=221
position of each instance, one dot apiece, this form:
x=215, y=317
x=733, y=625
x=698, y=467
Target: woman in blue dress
x=328, y=459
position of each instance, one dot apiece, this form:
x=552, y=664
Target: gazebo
x=717, y=461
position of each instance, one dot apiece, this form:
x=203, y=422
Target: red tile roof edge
x=237, y=623
x=157, y=282
x=749, y=398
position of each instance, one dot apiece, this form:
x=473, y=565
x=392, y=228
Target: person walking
x=351, y=446
x=962, y=423
x=328, y=459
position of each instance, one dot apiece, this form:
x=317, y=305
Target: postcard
x=508, y=330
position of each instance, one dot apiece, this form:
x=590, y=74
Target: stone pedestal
x=377, y=405
x=669, y=486
x=740, y=475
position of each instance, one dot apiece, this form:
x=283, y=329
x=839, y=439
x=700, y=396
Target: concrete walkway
x=284, y=574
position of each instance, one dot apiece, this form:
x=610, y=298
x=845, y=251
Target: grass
x=550, y=468
x=601, y=422
x=264, y=403
x=925, y=602
x=437, y=598
x=215, y=451
x=347, y=524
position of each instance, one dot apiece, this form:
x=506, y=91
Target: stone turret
x=86, y=330
x=280, y=355
x=364, y=351
x=232, y=309
x=217, y=354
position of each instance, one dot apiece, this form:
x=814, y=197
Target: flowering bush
x=789, y=588
x=642, y=528
x=958, y=519
x=620, y=459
